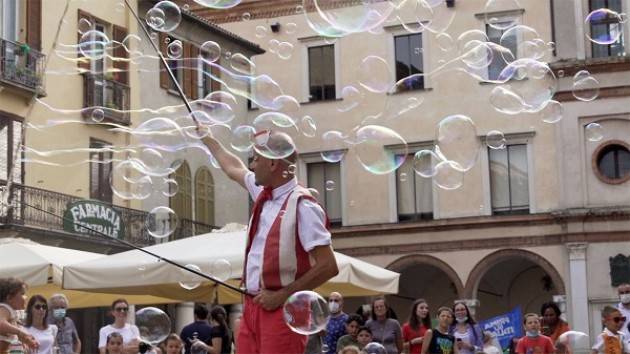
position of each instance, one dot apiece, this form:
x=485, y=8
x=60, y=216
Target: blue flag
x=505, y=327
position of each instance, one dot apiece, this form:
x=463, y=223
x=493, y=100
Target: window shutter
x=163, y=71
x=187, y=79
x=194, y=74
x=84, y=63
x=216, y=73
x=120, y=33
x=34, y=24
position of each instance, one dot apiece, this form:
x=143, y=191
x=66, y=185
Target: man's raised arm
x=233, y=167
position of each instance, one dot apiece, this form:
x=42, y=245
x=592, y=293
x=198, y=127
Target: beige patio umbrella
x=134, y=272
x=41, y=267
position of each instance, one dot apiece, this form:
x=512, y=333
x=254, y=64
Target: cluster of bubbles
x=512, y=62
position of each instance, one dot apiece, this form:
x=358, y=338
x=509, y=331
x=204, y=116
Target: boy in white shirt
x=611, y=341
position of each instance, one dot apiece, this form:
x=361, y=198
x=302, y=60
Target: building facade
x=543, y=219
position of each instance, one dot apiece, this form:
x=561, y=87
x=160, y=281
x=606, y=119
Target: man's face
x=336, y=297
x=261, y=166
x=623, y=289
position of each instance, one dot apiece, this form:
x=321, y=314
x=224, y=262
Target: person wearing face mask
x=68, y=339
x=336, y=327
x=534, y=342
x=623, y=290
x=468, y=334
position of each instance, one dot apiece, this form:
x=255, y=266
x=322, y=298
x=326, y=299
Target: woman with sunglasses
x=37, y=324
x=129, y=332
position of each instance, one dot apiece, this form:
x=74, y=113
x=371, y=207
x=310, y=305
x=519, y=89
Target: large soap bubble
x=306, y=312
x=153, y=324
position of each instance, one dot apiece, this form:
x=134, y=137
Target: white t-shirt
x=46, y=338
x=311, y=226
x=129, y=333
x=599, y=343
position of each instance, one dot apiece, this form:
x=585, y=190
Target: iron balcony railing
x=21, y=66
x=108, y=95
x=24, y=198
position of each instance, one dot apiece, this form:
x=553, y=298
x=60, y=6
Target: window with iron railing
x=100, y=171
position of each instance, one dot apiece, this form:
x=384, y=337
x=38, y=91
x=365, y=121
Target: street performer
x=289, y=245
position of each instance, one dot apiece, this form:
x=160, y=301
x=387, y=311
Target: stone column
x=579, y=29
x=579, y=290
x=184, y=316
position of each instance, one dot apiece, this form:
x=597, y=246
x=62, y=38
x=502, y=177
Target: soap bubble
x=333, y=143
x=153, y=324
x=306, y=312
x=458, y=142
x=330, y=186
x=175, y=49
x=574, y=342
x=594, y=132
x=585, y=86
x=221, y=269
x=553, y=112
x=243, y=138
x=97, y=115
x=161, y=222
x=374, y=348
x=372, y=149
x=210, y=51
x=218, y=4
x=190, y=280
x=374, y=74
x=93, y=44
x=495, y=140
x=496, y=6
x=424, y=162
x=613, y=22
x=308, y=126
x=165, y=16
x=448, y=175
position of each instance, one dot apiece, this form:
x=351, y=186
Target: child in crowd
x=350, y=349
x=611, y=341
x=364, y=336
x=534, y=342
x=438, y=340
x=114, y=344
x=173, y=344
x=353, y=323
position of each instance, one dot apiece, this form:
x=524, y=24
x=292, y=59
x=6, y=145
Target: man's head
x=274, y=152
x=612, y=319
x=201, y=312
x=335, y=303
x=532, y=324
x=623, y=290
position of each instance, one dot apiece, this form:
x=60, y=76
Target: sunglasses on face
x=618, y=319
x=624, y=292
x=40, y=307
x=121, y=309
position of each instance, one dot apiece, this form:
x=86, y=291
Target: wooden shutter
x=163, y=71
x=216, y=72
x=187, y=79
x=84, y=63
x=194, y=67
x=34, y=24
x=120, y=33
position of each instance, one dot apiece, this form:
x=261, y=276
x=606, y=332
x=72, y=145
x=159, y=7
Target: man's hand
x=28, y=340
x=271, y=300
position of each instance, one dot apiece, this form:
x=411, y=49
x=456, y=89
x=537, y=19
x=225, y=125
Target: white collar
x=284, y=189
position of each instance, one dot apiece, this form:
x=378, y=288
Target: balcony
x=105, y=93
x=21, y=67
x=22, y=214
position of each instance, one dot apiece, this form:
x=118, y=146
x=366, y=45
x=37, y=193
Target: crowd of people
x=45, y=328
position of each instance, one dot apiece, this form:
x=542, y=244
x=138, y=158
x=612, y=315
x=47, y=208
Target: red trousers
x=266, y=332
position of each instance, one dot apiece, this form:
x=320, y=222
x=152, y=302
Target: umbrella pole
x=131, y=245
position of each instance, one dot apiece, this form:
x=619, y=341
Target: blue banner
x=505, y=327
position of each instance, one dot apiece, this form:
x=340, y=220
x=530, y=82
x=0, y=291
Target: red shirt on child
x=535, y=345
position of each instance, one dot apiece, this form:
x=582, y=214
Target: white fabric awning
x=135, y=272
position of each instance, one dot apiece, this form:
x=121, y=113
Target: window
x=408, y=52
x=10, y=135
x=177, y=68
x=9, y=16
x=321, y=71
x=613, y=163
x=206, y=84
x=100, y=171
x=204, y=196
x=509, y=182
x=326, y=178
x=181, y=202
x=501, y=59
x=413, y=193
x=605, y=27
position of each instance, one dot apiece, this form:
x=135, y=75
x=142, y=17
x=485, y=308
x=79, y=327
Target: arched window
x=611, y=162
x=181, y=202
x=204, y=196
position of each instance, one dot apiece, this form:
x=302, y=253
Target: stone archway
x=513, y=277
x=424, y=276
